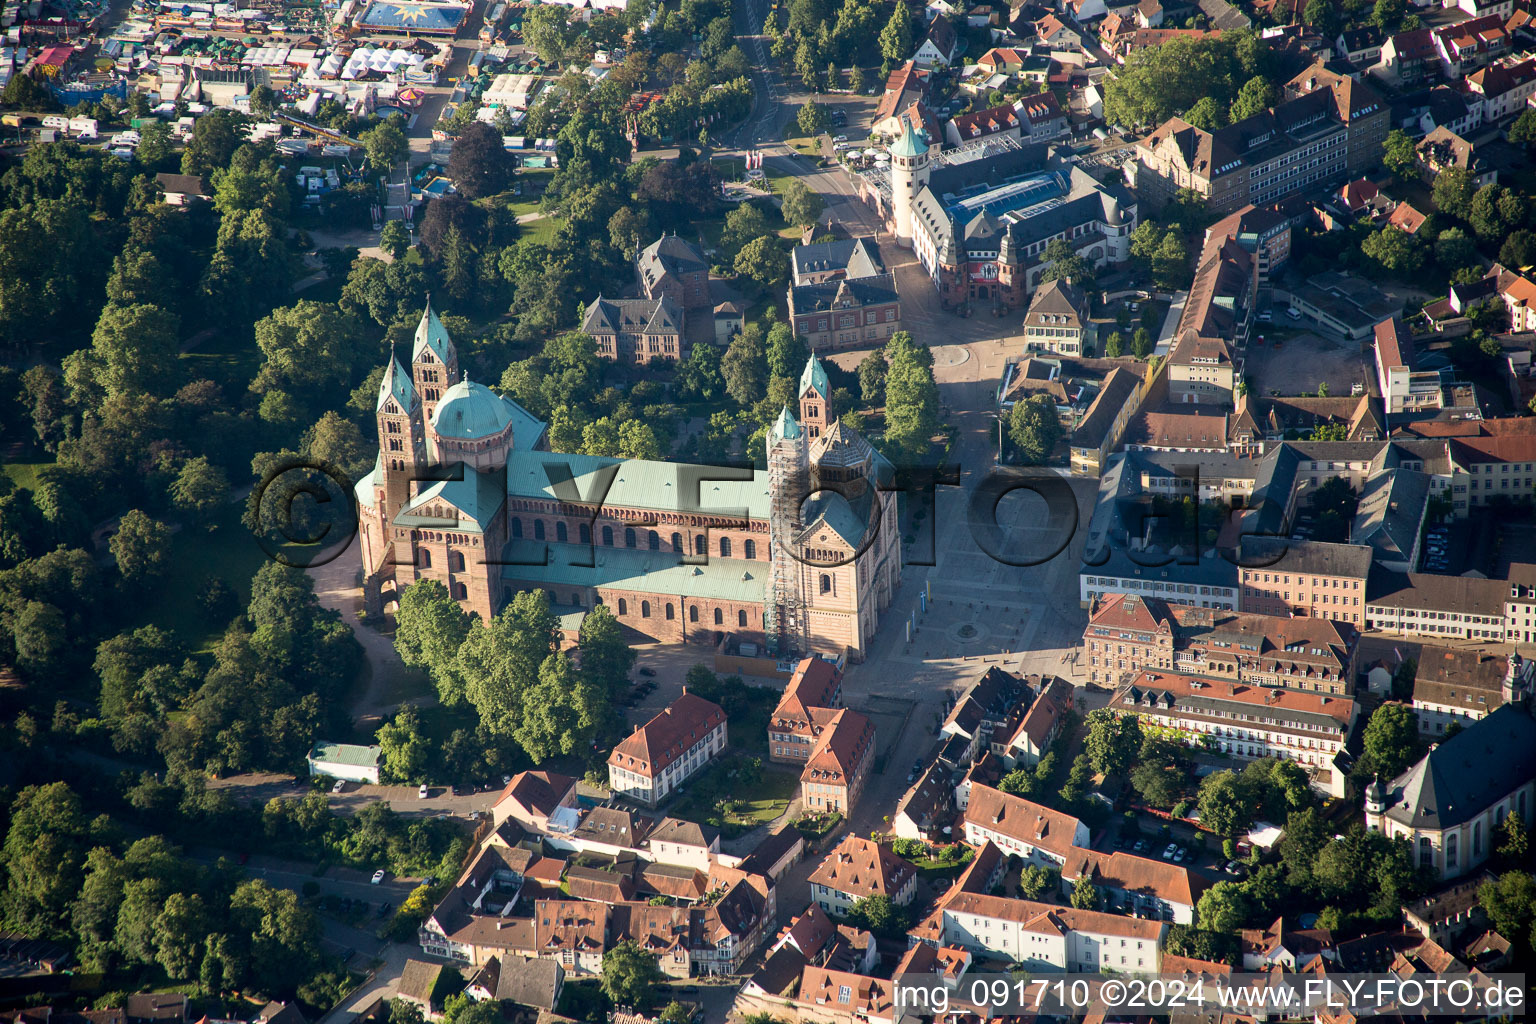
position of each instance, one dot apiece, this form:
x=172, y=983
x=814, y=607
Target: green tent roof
x=815, y=376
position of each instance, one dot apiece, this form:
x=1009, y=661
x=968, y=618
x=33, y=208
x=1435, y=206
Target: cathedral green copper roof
x=910, y=144
x=785, y=426
x=638, y=569
x=470, y=410
x=398, y=383
x=635, y=483
x=431, y=334
x=466, y=505
x=815, y=376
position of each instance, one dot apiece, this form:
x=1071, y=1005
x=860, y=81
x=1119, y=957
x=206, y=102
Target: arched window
x=538, y=529
x=741, y=619
x=719, y=617
x=608, y=536
x=725, y=547
x=629, y=536
x=585, y=533
x=1451, y=842
x=700, y=545
x=623, y=607
x=460, y=592
x=677, y=543
x=1426, y=853
x=645, y=609
x=669, y=611
x=693, y=613
x=561, y=533
x=424, y=558
x=826, y=584
x=577, y=601
x=1477, y=839
x=749, y=549
x=517, y=528
x=456, y=561
x=654, y=541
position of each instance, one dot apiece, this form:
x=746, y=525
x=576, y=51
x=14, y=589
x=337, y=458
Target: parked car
x=1140, y=846
x=340, y=785
x=429, y=881
x=1266, y=316
x=378, y=876
x=648, y=672
x=384, y=909
x=1293, y=312
x=421, y=794
x=1169, y=851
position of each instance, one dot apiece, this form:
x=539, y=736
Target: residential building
x=1043, y=936
x=1361, y=46
x=538, y=801
x=793, y=728
x=1327, y=127
x=1346, y=304
x=1245, y=721
x=423, y=985
x=834, y=776
x=939, y=46
x=658, y=757
x=927, y=807
x=1057, y=320
x=1302, y=577
x=1410, y=56
x=525, y=981
x=1128, y=634
x=1098, y=433
x=1470, y=44
x=1518, y=293
x=1461, y=686
x=1404, y=391
x=1041, y=117
x=1448, y=805
x=1263, y=231
x=1443, y=149
x=1143, y=887
x=983, y=124
x=1023, y=828
x=636, y=331
x=856, y=868
x=184, y=189
x=1041, y=724
x=1456, y=607
x=1504, y=87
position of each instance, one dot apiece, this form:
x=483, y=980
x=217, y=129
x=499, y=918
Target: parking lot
x=1287, y=358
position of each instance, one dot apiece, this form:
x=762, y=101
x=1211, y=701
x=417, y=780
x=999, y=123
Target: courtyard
x=1297, y=362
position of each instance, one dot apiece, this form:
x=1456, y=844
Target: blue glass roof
x=1031, y=190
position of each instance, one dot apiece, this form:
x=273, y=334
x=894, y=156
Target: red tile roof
x=656, y=744
x=861, y=867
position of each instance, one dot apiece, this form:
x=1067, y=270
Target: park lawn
x=24, y=474
x=759, y=801
x=541, y=231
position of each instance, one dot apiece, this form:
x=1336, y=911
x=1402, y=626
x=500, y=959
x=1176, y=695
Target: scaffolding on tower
x=784, y=621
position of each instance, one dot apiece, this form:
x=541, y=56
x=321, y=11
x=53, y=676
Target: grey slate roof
x=1457, y=780
x=632, y=316
x=1390, y=511
x=1307, y=556
x=529, y=982
x=868, y=291
x=670, y=254
x=854, y=256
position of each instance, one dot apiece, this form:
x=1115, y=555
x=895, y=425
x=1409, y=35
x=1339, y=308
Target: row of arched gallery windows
x=632, y=538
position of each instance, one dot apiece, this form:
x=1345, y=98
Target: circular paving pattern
x=950, y=355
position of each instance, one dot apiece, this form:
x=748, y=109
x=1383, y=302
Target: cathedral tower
x=909, y=173
x=434, y=361
x=402, y=438
x=784, y=622
x=815, y=393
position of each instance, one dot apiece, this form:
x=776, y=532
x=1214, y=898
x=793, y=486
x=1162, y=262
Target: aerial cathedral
x=802, y=557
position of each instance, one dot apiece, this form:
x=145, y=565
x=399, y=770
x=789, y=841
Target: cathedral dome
x=469, y=410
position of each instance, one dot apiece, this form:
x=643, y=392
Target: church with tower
x=802, y=557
